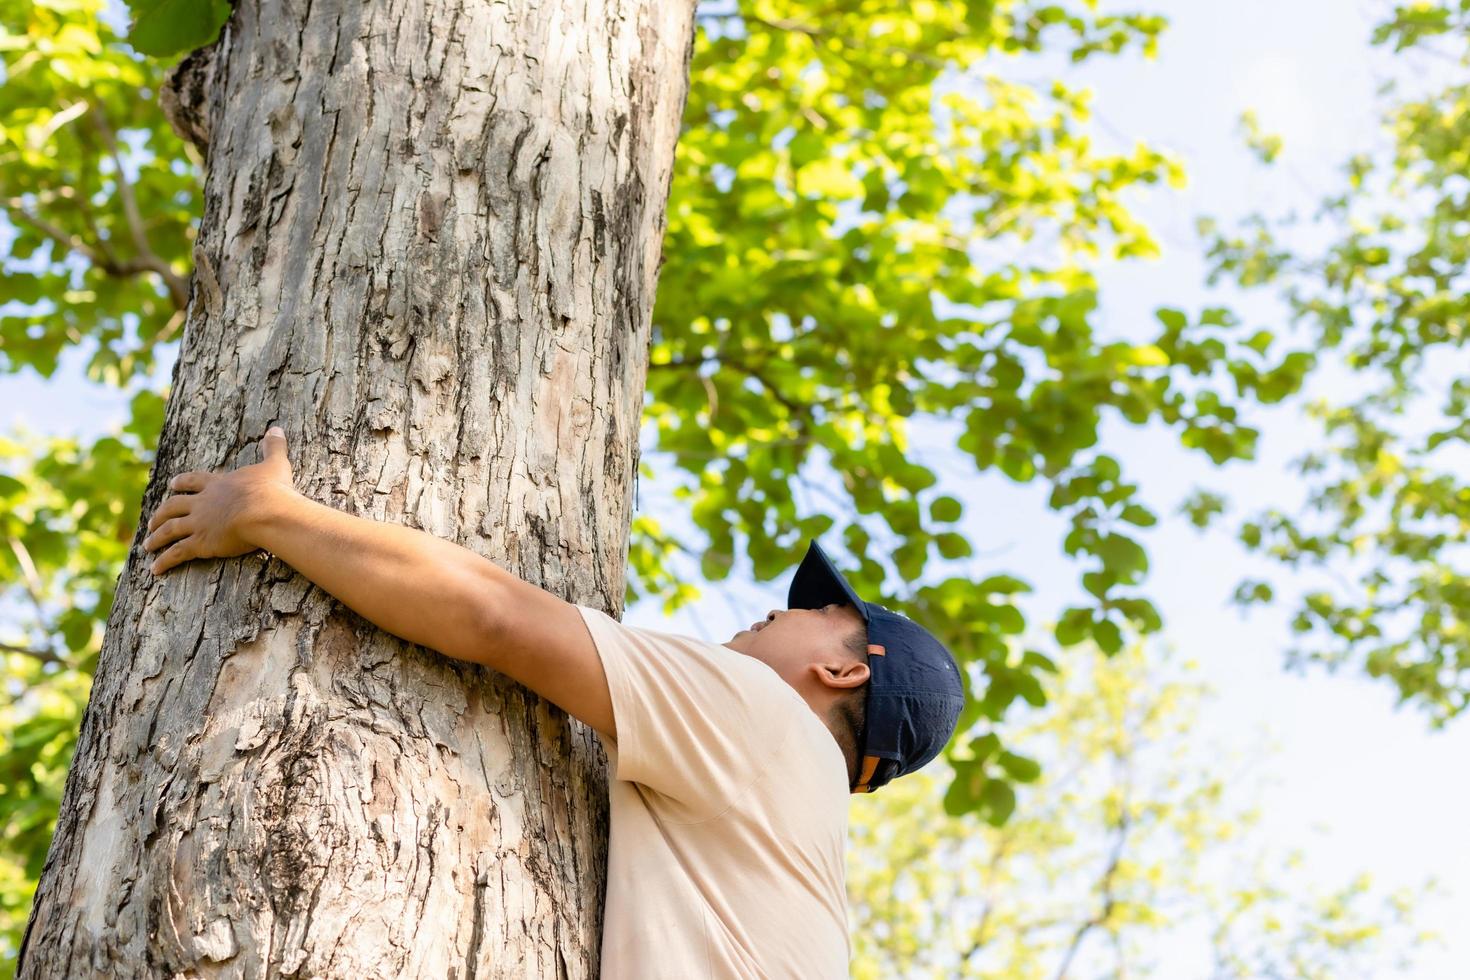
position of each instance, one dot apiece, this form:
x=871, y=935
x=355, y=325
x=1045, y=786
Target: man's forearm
x=422, y=588
x=425, y=589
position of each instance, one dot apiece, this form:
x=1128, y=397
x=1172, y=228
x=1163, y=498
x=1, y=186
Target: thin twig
x=34, y=585
x=993, y=871
x=797, y=27
x=124, y=186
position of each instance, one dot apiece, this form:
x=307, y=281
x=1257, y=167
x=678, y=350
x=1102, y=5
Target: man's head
x=912, y=693
x=823, y=654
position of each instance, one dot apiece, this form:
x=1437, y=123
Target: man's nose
x=771, y=615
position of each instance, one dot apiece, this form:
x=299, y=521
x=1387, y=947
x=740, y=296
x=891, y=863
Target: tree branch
x=757, y=372
x=98, y=252
x=44, y=656
x=34, y=587
x=56, y=234
x=178, y=287
x=1105, y=887
x=102, y=260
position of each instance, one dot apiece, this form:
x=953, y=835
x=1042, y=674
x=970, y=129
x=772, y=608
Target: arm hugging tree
x=429, y=248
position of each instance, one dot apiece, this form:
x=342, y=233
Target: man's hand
x=208, y=516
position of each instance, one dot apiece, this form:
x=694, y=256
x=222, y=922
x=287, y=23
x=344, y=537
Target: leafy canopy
x=1388, y=507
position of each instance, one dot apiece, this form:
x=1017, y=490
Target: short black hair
x=850, y=711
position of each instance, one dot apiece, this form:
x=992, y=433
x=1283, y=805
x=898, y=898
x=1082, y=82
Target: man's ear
x=842, y=674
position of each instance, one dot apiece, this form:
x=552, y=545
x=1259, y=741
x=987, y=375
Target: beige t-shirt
x=729, y=816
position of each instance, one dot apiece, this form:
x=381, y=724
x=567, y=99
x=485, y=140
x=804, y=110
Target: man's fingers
x=175, y=506
x=273, y=446
x=190, y=482
x=273, y=454
x=168, y=532
x=176, y=555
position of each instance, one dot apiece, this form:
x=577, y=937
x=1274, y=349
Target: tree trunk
x=429, y=249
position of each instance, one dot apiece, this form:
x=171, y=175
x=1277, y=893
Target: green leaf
x=1039, y=661
x=978, y=13
x=168, y=27
x=984, y=746
x=1074, y=626
x=997, y=802
x=1007, y=618
x=953, y=546
x=75, y=626
x=1174, y=320
x=1139, y=515
x=1098, y=583
x=1019, y=768
x=946, y=509
x=1122, y=556
x=964, y=792
x=1108, y=637
x=1001, y=585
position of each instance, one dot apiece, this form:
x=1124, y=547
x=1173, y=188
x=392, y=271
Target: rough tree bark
x=429, y=249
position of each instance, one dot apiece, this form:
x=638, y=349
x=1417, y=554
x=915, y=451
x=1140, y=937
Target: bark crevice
x=185, y=96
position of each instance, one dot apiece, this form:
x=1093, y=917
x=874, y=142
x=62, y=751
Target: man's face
x=790, y=640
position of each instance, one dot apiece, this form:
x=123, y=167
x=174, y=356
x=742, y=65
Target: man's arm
x=424, y=589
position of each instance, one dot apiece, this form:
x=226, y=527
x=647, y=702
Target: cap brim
x=818, y=583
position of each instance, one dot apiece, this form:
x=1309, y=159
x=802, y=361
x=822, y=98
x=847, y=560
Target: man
x=731, y=773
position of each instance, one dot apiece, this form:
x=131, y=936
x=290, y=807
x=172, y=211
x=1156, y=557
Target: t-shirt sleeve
x=696, y=721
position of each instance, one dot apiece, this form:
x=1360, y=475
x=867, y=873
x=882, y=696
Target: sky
x=1353, y=782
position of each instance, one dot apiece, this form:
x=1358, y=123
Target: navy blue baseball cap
x=914, y=691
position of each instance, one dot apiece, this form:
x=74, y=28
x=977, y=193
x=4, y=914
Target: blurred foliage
x=1135, y=854
x=1266, y=146
x=67, y=516
x=98, y=196
x=1386, y=298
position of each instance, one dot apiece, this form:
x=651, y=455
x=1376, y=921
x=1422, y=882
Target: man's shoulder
x=809, y=752
x=748, y=668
